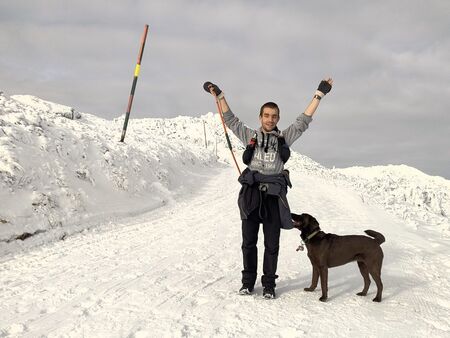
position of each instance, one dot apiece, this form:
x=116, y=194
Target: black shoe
x=269, y=292
x=246, y=289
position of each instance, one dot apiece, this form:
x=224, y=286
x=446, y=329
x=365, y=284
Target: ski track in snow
x=175, y=272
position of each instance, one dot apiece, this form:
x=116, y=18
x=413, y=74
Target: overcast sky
x=390, y=61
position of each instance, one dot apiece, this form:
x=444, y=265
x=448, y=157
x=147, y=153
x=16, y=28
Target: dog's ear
x=314, y=221
x=310, y=221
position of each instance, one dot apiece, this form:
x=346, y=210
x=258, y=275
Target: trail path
x=176, y=271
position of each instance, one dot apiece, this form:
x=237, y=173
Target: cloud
x=389, y=61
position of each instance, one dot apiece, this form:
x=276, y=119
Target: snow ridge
x=57, y=171
x=61, y=169
x=420, y=199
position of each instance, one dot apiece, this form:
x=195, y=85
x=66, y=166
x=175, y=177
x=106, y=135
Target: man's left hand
x=325, y=86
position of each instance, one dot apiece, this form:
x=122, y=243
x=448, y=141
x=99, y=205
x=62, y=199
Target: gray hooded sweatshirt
x=267, y=163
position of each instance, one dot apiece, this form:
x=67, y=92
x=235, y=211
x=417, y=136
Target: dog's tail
x=379, y=238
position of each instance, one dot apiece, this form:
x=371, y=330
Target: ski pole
x=219, y=108
x=133, y=87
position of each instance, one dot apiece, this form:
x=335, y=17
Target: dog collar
x=312, y=235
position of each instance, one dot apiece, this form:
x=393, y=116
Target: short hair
x=272, y=105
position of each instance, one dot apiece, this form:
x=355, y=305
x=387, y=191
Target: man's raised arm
x=295, y=130
x=238, y=128
x=324, y=88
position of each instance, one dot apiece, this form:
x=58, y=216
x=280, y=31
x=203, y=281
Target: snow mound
x=59, y=167
x=419, y=198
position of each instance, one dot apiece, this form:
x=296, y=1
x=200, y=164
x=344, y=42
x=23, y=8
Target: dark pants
x=271, y=229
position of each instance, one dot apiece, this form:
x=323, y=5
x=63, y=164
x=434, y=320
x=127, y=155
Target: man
x=262, y=198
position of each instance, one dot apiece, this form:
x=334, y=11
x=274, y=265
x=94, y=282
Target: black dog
x=329, y=250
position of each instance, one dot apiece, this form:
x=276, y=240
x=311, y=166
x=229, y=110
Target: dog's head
x=307, y=224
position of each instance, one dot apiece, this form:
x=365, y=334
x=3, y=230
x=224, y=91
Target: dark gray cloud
x=390, y=62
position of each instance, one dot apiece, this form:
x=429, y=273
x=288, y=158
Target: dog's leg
x=365, y=273
x=375, y=272
x=315, y=279
x=324, y=283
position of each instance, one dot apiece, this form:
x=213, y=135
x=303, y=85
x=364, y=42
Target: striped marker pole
x=133, y=87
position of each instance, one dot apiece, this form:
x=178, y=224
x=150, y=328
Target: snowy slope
x=61, y=174
x=160, y=251
x=421, y=199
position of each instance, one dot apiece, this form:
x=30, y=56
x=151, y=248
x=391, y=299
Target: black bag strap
x=283, y=149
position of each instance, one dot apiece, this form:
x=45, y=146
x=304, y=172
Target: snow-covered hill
x=152, y=235
x=62, y=171
x=422, y=200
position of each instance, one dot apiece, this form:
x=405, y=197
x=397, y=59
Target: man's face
x=269, y=119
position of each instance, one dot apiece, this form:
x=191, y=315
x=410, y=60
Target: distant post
x=133, y=87
x=204, y=132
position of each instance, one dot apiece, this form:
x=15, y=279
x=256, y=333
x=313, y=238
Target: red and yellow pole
x=133, y=87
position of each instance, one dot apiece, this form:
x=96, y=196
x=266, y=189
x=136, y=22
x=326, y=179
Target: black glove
x=324, y=87
x=208, y=85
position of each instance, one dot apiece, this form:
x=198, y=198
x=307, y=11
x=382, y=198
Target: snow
x=422, y=200
x=142, y=238
x=58, y=173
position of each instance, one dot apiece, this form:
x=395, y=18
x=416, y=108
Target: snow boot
x=269, y=292
x=246, y=289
